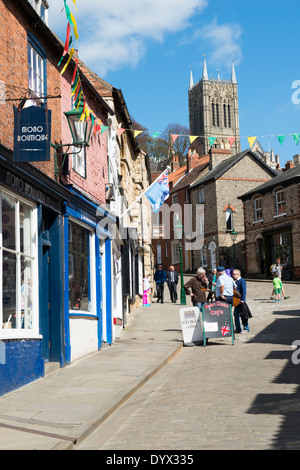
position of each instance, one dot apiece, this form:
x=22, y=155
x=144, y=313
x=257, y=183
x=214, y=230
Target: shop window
x=280, y=205
x=17, y=265
x=81, y=279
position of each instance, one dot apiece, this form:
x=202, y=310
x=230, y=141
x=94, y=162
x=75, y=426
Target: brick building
x=272, y=224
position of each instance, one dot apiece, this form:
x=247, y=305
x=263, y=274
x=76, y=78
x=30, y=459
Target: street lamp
x=233, y=236
x=178, y=233
x=80, y=132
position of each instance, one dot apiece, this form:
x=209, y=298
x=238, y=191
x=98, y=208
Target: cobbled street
x=223, y=396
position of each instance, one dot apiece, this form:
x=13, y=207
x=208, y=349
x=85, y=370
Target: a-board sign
x=191, y=325
x=217, y=321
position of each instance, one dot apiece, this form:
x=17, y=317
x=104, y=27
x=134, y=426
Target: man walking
x=172, y=281
x=160, y=279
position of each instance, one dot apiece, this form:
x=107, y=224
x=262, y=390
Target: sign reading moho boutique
x=32, y=134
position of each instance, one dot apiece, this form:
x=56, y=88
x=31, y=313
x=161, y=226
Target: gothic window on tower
x=229, y=116
x=225, y=114
x=213, y=111
x=218, y=115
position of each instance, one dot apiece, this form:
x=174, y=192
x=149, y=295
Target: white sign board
x=191, y=325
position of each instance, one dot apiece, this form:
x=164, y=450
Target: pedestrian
x=277, y=268
x=160, y=278
x=277, y=286
x=198, y=286
x=224, y=286
x=239, y=311
x=172, y=281
x=212, y=278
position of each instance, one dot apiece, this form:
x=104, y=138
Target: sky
x=146, y=48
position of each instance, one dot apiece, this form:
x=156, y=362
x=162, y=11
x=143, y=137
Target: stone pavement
x=62, y=409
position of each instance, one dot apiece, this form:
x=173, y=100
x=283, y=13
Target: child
x=277, y=287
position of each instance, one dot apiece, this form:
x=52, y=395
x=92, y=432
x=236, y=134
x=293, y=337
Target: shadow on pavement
x=283, y=331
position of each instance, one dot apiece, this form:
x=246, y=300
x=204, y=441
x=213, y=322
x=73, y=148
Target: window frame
x=33, y=332
x=230, y=217
x=33, y=45
x=91, y=269
x=258, y=211
x=279, y=203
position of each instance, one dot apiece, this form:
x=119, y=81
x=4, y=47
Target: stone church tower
x=214, y=111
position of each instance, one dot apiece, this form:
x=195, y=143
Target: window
x=18, y=259
x=81, y=280
x=225, y=114
x=229, y=220
x=201, y=195
x=280, y=206
x=257, y=208
x=36, y=72
x=229, y=115
x=175, y=256
x=174, y=198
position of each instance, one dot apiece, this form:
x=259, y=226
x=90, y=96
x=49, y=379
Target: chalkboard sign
x=217, y=321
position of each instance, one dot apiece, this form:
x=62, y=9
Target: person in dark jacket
x=199, y=285
x=242, y=289
x=172, y=281
x=160, y=278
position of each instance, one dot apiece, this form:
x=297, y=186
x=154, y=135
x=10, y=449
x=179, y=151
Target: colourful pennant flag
x=174, y=137
x=120, y=131
x=296, y=138
x=136, y=133
x=211, y=140
x=67, y=44
x=103, y=129
x=192, y=138
x=251, y=141
x=71, y=19
x=69, y=60
x=231, y=140
x=281, y=138
x=74, y=1
x=155, y=134
x=75, y=74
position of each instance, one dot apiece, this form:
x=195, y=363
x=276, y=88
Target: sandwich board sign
x=217, y=321
x=191, y=325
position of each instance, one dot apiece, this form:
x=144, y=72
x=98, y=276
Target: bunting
x=296, y=138
x=251, y=140
x=281, y=138
x=211, y=140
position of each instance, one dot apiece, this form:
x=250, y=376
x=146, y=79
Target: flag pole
x=141, y=195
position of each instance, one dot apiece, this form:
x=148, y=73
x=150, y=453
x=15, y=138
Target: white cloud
x=224, y=40
x=114, y=33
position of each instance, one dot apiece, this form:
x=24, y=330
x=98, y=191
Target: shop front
x=31, y=273
x=279, y=244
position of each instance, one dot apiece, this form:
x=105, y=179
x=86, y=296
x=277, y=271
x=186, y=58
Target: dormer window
x=41, y=7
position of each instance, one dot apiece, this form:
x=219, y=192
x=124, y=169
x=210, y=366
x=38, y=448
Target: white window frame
x=229, y=215
x=22, y=333
x=279, y=202
x=92, y=268
x=35, y=71
x=175, y=254
x=257, y=208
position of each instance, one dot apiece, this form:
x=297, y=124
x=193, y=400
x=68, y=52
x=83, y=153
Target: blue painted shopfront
x=87, y=293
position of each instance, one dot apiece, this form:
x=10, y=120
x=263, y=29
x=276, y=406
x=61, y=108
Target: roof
x=186, y=180
x=285, y=177
x=225, y=165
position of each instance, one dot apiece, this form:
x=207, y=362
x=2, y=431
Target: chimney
x=296, y=159
x=194, y=159
x=188, y=160
x=217, y=156
x=289, y=164
x=175, y=163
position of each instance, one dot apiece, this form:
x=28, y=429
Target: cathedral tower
x=214, y=111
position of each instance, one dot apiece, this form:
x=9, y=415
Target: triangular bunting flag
x=155, y=134
x=69, y=60
x=120, y=131
x=211, y=140
x=231, y=140
x=251, y=140
x=296, y=138
x=281, y=138
x=103, y=129
x=174, y=137
x=136, y=133
x=192, y=138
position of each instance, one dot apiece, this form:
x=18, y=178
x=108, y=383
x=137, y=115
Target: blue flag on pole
x=159, y=192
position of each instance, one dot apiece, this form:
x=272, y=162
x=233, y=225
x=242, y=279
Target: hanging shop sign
x=32, y=134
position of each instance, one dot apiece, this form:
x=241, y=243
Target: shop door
x=46, y=305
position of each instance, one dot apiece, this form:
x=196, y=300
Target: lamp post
x=178, y=232
x=233, y=236
x=80, y=132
